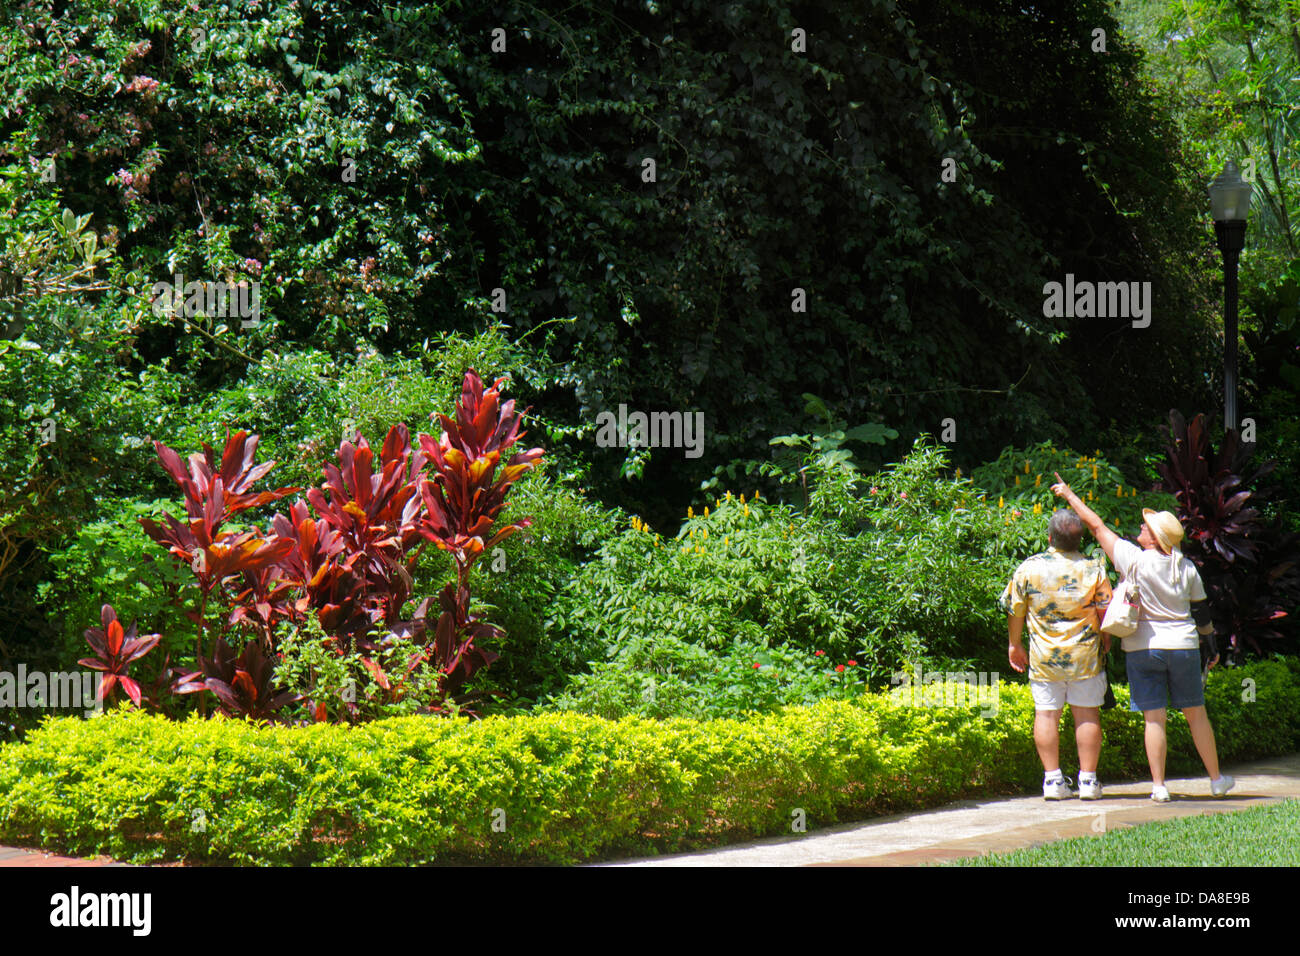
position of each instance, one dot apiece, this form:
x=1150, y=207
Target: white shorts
x=1054, y=695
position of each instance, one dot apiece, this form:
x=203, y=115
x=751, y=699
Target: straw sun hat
x=1165, y=526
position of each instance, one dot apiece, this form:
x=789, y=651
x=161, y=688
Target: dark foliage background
x=218, y=142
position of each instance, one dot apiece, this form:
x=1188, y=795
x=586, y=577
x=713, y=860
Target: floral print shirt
x=1062, y=595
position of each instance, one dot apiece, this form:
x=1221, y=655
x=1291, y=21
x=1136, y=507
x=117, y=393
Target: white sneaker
x=1057, y=790
x=1160, y=794
x=1220, y=787
x=1090, y=789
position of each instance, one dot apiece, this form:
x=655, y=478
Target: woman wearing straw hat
x=1162, y=656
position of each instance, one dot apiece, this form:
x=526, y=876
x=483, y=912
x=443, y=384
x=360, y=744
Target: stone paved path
x=975, y=827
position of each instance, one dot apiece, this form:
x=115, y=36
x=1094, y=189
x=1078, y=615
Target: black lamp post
x=1229, y=203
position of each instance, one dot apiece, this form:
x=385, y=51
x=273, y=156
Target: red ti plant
x=319, y=568
x=462, y=504
x=213, y=494
x=115, y=649
x=350, y=564
x=372, y=516
x=243, y=684
x=1249, y=566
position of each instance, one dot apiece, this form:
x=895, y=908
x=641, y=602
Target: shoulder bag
x=1122, y=614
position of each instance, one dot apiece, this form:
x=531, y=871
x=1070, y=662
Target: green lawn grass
x=1261, y=836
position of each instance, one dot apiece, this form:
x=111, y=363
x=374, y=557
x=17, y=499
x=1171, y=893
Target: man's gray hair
x=1064, y=530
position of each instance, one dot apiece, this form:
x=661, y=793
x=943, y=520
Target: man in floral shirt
x=1062, y=593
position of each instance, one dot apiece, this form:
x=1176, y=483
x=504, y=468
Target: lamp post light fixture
x=1229, y=204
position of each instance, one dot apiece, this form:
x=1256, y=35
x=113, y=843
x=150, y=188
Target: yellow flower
x=1026, y=466
x=728, y=495
x=691, y=533
x=1017, y=481
x=742, y=499
x=690, y=512
x=706, y=511
x=1094, y=472
x=1090, y=495
x=1001, y=503
x=685, y=549
x=726, y=540
x=958, y=472
x=1119, y=491
x=746, y=511
x=1038, y=481
x=704, y=533
x=1133, y=492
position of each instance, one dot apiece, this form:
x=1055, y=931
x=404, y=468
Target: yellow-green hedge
x=558, y=787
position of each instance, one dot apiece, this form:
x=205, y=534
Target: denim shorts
x=1158, y=679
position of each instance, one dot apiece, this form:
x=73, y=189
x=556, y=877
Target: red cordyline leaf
x=132, y=689
x=106, y=687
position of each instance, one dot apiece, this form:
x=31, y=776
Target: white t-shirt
x=1164, y=614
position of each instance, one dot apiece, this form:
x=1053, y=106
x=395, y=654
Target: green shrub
x=739, y=579
x=938, y=552
x=899, y=568
x=560, y=787
x=1023, y=478
x=667, y=677
x=113, y=562
x=351, y=686
x=518, y=588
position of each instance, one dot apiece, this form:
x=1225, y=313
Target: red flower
x=839, y=668
x=853, y=663
x=819, y=653
x=757, y=666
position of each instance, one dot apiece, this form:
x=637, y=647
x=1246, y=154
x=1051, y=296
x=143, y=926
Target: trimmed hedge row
x=555, y=788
